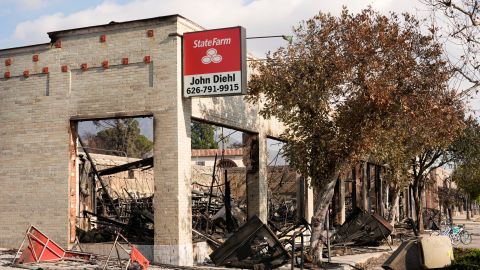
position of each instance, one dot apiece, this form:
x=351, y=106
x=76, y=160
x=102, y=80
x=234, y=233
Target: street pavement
x=473, y=227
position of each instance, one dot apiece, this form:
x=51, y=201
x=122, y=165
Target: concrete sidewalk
x=472, y=226
x=352, y=261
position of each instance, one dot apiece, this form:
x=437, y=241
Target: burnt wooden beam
x=146, y=214
x=142, y=231
x=127, y=166
x=228, y=207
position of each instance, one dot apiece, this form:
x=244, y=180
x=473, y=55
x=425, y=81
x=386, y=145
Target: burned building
x=120, y=69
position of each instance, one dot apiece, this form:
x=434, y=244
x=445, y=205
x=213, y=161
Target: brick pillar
x=172, y=201
x=364, y=192
x=257, y=186
x=304, y=199
x=354, y=187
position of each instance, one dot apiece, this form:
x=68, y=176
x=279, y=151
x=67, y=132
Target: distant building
x=225, y=157
x=437, y=178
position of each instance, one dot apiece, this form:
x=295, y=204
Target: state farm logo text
x=211, y=42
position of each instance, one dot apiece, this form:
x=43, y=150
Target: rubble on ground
x=362, y=229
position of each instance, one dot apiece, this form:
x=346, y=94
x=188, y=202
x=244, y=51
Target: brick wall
x=35, y=114
x=36, y=185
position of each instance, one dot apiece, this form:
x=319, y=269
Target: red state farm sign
x=214, y=62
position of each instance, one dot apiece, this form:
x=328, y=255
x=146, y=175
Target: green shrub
x=466, y=259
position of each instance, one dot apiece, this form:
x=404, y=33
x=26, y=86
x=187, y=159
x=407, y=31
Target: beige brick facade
x=36, y=177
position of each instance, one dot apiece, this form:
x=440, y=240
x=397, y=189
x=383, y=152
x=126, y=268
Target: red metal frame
x=41, y=248
x=134, y=254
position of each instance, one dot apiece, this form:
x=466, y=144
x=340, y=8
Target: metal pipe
x=285, y=37
x=302, y=250
x=110, y=253
x=20, y=248
x=211, y=186
x=293, y=250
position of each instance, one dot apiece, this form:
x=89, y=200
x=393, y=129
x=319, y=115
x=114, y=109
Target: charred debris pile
x=218, y=216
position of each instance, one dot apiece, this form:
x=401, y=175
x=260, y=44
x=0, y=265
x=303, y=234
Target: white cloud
x=261, y=17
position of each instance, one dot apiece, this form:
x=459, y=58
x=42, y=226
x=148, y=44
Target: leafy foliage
x=346, y=80
x=465, y=259
x=467, y=157
x=121, y=135
x=203, y=136
x=349, y=86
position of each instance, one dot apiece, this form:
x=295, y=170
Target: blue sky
x=26, y=22
x=14, y=12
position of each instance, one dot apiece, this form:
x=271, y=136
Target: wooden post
x=228, y=206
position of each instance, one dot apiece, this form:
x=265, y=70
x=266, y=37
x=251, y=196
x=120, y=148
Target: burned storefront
x=118, y=70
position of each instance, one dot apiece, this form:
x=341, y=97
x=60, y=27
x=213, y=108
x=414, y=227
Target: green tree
x=121, y=135
x=343, y=82
x=203, y=136
x=414, y=145
x=466, y=173
x=391, y=149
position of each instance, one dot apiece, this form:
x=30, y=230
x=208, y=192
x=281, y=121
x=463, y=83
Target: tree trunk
x=417, y=197
x=450, y=215
x=408, y=207
x=392, y=213
x=386, y=199
x=323, y=196
x=467, y=205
